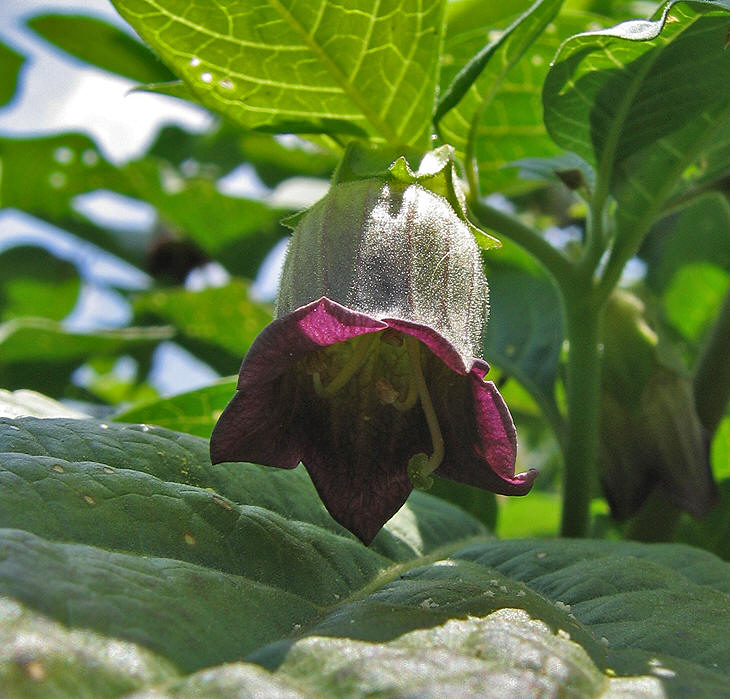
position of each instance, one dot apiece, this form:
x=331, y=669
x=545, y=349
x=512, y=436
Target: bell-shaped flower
x=370, y=375
x=652, y=440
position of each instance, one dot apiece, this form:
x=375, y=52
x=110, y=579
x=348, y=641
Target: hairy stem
x=712, y=373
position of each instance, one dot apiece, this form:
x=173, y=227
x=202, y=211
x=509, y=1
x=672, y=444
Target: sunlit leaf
x=705, y=286
x=24, y=403
x=461, y=107
x=194, y=412
x=10, y=65
x=367, y=68
x=33, y=282
x=42, y=175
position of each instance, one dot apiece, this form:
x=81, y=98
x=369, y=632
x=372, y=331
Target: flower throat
x=388, y=363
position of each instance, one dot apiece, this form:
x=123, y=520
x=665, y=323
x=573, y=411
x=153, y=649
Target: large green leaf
x=10, y=64
x=508, y=125
x=606, y=89
x=34, y=282
x=460, y=109
x=218, y=323
x=40, y=354
x=363, y=67
x=101, y=44
x=129, y=532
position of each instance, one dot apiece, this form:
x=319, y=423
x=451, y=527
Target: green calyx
x=436, y=172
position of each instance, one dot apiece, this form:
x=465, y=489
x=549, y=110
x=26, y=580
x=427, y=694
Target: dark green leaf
x=696, y=234
x=211, y=564
x=605, y=89
x=33, y=282
x=366, y=69
x=10, y=64
x=101, y=44
x=528, y=349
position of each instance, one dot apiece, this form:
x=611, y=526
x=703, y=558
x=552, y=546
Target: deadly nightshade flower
x=370, y=374
x=652, y=439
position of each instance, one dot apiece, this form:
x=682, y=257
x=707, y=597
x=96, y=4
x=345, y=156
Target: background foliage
x=591, y=146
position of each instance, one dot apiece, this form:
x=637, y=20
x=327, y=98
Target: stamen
x=420, y=467
x=412, y=396
x=352, y=366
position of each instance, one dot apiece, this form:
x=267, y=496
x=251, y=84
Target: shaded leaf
x=368, y=68
x=696, y=234
x=568, y=169
x=605, y=89
x=254, y=569
x=529, y=349
x=103, y=45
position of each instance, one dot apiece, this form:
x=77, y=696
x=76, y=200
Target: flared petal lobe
x=333, y=388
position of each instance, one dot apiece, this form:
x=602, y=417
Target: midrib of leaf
x=394, y=571
x=605, y=166
x=347, y=86
x=655, y=203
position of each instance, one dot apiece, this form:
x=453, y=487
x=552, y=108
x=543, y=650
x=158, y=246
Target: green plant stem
x=583, y=385
x=557, y=265
x=712, y=373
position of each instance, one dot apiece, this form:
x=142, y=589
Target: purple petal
x=355, y=449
